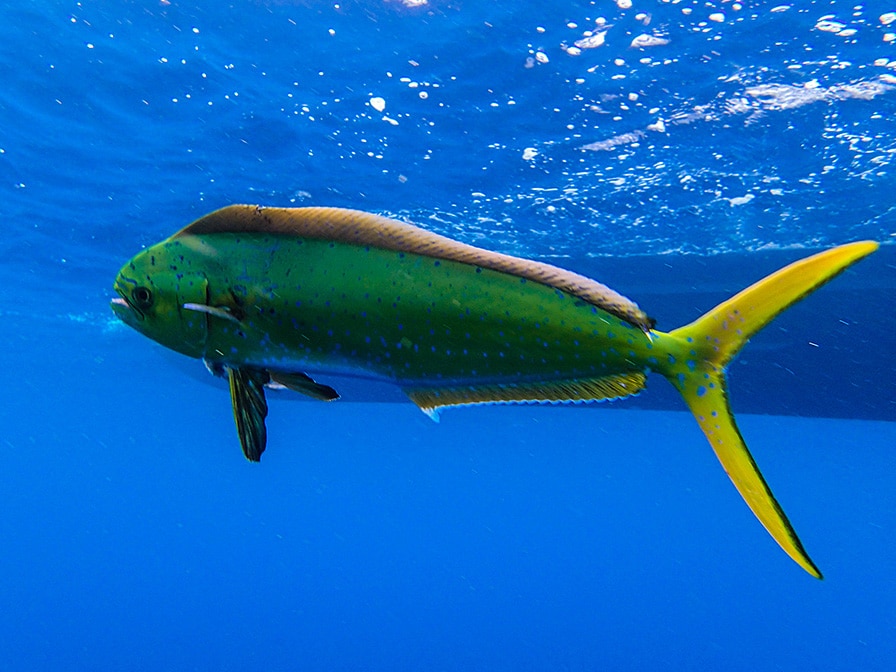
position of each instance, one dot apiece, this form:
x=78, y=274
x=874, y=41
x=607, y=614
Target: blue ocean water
x=675, y=150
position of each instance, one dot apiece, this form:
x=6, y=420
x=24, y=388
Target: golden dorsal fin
x=363, y=228
x=431, y=399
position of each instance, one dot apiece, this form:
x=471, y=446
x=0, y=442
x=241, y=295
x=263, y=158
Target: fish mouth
x=124, y=310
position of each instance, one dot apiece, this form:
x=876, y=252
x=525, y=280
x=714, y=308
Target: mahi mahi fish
x=269, y=296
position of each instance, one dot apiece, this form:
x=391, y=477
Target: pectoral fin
x=303, y=384
x=224, y=312
x=249, y=409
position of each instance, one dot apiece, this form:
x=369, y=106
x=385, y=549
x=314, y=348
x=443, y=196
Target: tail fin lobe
x=726, y=328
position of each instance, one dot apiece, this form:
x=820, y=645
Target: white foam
x=592, y=42
x=644, y=40
x=740, y=200
x=829, y=26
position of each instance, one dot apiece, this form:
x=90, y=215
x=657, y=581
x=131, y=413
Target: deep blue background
x=134, y=536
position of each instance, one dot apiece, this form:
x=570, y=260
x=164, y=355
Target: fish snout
x=124, y=311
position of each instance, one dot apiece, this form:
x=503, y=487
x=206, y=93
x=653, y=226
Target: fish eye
x=142, y=297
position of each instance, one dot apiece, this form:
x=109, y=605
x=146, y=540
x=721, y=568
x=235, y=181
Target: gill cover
x=192, y=289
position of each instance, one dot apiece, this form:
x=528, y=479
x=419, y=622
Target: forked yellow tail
x=701, y=351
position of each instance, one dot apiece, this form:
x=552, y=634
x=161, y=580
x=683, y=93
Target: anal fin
x=431, y=399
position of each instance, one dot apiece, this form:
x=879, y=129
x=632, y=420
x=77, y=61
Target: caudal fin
x=705, y=348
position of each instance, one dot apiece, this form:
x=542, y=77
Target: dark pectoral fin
x=303, y=384
x=249, y=409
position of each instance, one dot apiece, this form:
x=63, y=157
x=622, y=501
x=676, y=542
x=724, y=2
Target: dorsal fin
x=363, y=228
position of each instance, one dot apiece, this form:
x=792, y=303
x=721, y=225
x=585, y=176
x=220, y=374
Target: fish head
x=152, y=289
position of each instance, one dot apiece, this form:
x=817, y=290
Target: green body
x=321, y=306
